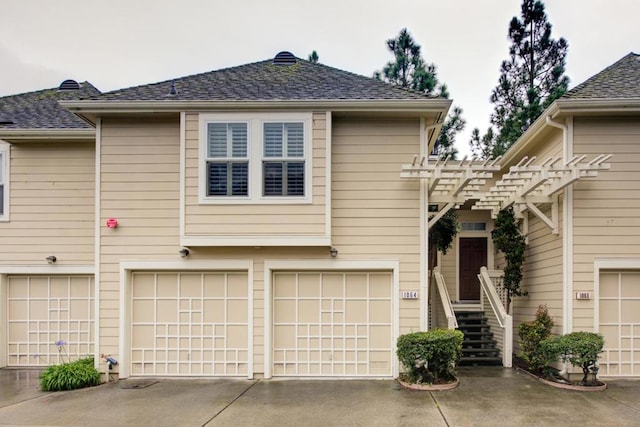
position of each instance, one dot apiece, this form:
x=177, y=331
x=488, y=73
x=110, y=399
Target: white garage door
x=192, y=323
x=45, y=310
x=332, y=324
x=620, y=323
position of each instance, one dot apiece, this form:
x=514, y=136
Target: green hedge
x=581, y=349
x=69, y=376
x=432, y=356
x=531, y=335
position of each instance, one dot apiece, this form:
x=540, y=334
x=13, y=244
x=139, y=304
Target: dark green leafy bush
x=531, y=335
x=581, y=349
x=432, y=356
x=69, y=376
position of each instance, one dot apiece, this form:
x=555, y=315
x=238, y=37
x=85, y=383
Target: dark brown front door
x=473, y=255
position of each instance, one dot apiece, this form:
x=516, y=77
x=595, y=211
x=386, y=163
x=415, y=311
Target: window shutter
x=217, y=179
x=295, y=178
x=217, y=134
x=273, y=139
x=272, y=178
x=295, y=140
x=238, y=139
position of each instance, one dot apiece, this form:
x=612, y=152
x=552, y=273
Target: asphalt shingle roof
x=265, y=81
x=40, y=109
x=619, y=80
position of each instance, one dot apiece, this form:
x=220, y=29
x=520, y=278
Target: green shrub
x=581, y=349
x=430, y=357
x=531, y=335
x=69, y=376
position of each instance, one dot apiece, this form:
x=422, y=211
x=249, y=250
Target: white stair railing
x=452, y=323
x=504, y=319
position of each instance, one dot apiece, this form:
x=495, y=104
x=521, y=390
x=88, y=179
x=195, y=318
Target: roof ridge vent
x=284, y=58
x=69, y=85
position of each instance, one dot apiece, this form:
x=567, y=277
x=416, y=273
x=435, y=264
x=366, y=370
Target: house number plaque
x=409, y=294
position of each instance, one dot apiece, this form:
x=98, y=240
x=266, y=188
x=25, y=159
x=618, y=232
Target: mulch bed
x=554, y=379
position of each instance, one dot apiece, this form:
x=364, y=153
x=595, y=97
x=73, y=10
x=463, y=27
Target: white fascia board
x=47, y=269
x=404, y=105
x=279, y=240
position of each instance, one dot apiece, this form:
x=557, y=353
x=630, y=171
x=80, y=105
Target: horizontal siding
x=375, y=214
x=606, y=220
x=52, y=193
x=250, y=219
x=542, y=272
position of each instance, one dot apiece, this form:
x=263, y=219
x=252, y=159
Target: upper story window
x=261, y=158
x=4, y=181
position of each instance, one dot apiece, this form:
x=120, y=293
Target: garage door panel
x=197, y=327
x=42, y=310
x=619, y=311
x=326, y=324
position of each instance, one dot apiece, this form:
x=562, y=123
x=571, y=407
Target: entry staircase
x=478, y=346
x=487, y=327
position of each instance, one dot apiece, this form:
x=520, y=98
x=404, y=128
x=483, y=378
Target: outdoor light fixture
x=333, y=252
x=51, y=259
x=184, y=252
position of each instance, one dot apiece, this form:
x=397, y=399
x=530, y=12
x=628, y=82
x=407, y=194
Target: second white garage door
x=332, y=324
x=193, y=323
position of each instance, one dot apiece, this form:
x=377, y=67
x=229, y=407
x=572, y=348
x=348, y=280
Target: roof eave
x=47, y=134
x=571, y=107
x=110, y=107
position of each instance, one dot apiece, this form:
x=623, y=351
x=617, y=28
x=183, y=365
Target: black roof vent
x=284, y=58
x=4, y=122
x=69, y=85
x=172, y=89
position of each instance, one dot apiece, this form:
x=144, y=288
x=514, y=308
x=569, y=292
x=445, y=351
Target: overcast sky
x=120, y=43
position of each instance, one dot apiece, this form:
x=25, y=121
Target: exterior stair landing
x=478, y=346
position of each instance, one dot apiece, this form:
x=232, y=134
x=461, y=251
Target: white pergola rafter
x=450, y=183
x=527, y=185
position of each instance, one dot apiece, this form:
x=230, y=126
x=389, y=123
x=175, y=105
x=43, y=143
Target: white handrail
x=505, y=320
x=452, y=322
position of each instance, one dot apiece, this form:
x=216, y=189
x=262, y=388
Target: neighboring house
x=271, y=220
x=47, y=174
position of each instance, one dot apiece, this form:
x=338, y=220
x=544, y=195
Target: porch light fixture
x=51, y=259
x=333, y=252
x=184, y=252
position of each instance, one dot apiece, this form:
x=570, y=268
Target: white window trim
x=5, y=152
x=255, y=152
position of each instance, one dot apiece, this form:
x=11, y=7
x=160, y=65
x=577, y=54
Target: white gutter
x=567, y=225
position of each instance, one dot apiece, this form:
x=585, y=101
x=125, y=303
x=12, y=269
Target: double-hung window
x=283, y=163
x=262, y=158
x=227, y=161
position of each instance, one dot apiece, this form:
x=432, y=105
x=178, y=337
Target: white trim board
x=127, y=267
x=322, y=265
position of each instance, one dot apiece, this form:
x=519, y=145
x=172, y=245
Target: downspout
x=567, y=235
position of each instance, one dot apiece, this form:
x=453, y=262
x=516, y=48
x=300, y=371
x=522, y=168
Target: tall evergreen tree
x=410, y=70
x=313, y=57
x=530, y=80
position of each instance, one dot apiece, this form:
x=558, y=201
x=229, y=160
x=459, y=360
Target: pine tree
x=313, y=57
x=530, y=79
x=410, y=70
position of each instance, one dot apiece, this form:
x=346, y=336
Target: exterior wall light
x=333, y=252
x=184, y=252
x=51, y=259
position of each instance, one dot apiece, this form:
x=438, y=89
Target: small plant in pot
x=430, y=357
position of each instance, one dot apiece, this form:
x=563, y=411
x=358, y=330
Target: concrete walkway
x=485, y=397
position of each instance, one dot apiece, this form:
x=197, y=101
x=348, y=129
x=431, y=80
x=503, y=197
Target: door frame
x=329, y=265
x=490, y=250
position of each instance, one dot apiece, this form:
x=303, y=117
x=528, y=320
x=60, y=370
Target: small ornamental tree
x=531, y=335
x=508, y=239
x=441, y=235
x=581, y=349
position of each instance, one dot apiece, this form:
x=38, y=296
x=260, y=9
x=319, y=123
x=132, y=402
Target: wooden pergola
x=525, y=186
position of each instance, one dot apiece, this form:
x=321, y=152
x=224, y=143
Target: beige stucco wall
x=51, y=204
x=606, y=220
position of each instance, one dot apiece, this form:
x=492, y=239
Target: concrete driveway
x=485, y=397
